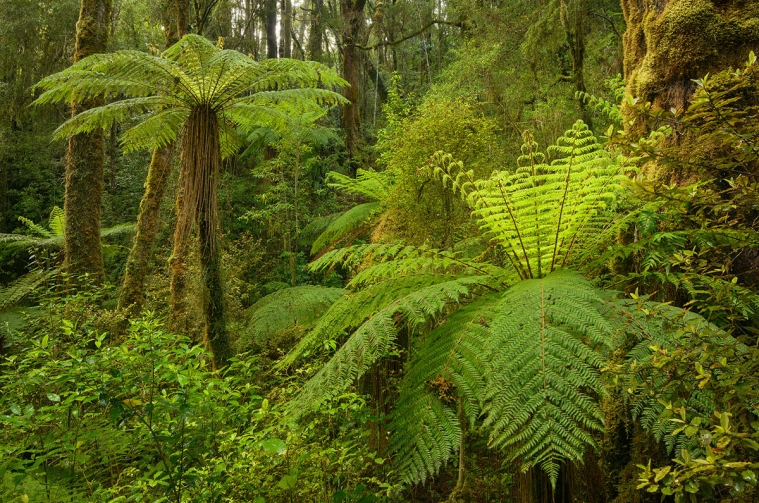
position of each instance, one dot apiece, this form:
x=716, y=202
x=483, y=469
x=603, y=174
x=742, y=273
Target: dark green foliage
x=286, y=308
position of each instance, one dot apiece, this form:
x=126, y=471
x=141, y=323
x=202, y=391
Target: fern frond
x=374, y=337
x=300, y=305
x=424, y=424
x=544, y=381
x=27, y=284
x=349, y=222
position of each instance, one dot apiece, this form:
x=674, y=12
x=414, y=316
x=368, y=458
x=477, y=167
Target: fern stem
x=561, y=212
x=516, y=228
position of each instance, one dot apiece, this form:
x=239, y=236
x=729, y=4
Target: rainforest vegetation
x=355, y=251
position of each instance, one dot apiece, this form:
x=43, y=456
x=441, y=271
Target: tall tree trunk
x=670, y=42
x=315, y=31
x=201, y=159
x=182, y=12
x=573, y=21
x=270, y=18
x=85, y=157
x=133, y=289
x=352, y=12
x=286, y=28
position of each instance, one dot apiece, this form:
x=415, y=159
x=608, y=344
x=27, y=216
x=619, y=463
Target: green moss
x=667, y=45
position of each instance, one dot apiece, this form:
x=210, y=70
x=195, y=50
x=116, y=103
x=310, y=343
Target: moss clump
x=670, y=42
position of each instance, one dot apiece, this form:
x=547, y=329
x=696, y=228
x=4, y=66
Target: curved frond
x=349, y=222
x=300, y=305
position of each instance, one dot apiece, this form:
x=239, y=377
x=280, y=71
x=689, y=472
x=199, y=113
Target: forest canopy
x=355, y=251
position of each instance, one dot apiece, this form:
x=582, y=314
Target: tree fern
x=212, y=98
x=531, y=366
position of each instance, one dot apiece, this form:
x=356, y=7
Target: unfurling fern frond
x=300, y=305
x=544, y=382
x=448, y=367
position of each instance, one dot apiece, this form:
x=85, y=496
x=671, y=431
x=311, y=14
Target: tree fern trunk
x=85, y=158
x=197, y=203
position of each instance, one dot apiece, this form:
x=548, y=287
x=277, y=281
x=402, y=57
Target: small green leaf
x=273, y=445
x=53, y=397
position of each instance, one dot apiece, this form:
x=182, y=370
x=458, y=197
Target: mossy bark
x=133, y=290
x=352, y=12
x=668, y=43
x=85, y=158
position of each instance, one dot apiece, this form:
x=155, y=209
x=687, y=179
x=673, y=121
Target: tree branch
x=412, y=35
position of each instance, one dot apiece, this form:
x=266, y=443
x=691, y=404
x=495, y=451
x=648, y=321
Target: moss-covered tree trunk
x=133, y=289
x=85, y=157
x=668, y=43
x=201, y=160
x=352, y=12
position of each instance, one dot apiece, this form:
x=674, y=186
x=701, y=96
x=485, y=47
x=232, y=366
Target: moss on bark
x=668, y=43
x=133, y=291
x=85, y=158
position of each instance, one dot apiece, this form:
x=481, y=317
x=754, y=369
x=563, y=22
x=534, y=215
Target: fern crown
x=162, y=90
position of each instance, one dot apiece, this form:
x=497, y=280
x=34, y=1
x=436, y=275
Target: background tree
x=85, y=156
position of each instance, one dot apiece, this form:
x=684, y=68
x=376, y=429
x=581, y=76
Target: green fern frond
x=374, y=337
x=27, y=284
x=541, y=398
x=300, y=305
x=426, y=430
x=350, y=222
x=541, y=214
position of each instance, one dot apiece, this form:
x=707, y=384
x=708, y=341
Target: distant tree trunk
x=270, y=18
x=133, y=289
x=573, y=21
x=182, y=13
x=315, y=32
x=86, y=156
x=352, y=12
x=670, y=42
x=286, y=28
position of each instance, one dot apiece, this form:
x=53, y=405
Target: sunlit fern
x=525, y=349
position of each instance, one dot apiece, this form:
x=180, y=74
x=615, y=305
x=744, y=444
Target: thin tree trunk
x=85, y=157
x=271, y=28
x=133, y=289
x=182, y=12
x=287, y=28
x=353, y=18
x=315, y=31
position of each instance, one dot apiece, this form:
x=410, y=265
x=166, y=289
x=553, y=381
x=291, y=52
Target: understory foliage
x=525, y=354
